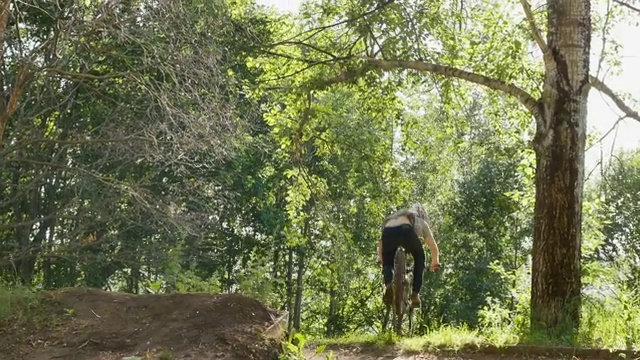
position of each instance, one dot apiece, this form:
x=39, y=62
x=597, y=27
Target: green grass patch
x=17, y=304
x=449, y=338
x=444, y=338
x=605, y=332
x=380, y=341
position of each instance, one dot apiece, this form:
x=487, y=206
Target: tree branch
x=313, y=47
x=628, y=6
x=387, y=65
x=83, y=76
x=319, y=29
x=4, y=20
x=30, y=222
x=535, y=31
x=603, y=88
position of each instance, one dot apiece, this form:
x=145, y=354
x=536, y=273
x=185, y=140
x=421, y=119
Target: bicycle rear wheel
x=411, y=321
x=409, y=306
x=399, y=296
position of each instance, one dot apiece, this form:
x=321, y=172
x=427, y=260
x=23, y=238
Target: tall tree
x=111, y=143
x=441, y=38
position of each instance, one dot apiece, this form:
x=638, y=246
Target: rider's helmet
x=419, y=210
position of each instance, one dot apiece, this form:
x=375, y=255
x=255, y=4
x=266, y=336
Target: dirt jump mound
x=93, y=324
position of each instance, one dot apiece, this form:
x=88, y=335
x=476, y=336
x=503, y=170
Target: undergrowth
x=17, y=304
x=611, y=322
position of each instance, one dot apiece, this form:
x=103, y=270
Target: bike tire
x=385, y=318
x=400, y=268
x=411, y=321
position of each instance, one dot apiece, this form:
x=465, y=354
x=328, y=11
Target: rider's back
x=408, y=217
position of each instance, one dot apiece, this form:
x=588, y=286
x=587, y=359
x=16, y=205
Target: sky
x=603, y=114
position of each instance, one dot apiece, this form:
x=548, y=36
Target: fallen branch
x=87, y=343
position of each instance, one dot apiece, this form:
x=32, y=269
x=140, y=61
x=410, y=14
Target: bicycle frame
x=402, y=279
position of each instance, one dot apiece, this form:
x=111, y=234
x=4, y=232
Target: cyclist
x=405, y=228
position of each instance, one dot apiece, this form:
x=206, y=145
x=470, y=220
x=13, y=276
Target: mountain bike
x=401, y=306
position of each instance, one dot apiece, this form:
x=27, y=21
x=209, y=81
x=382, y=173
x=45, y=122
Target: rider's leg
x=418, y=271
x=414, y=246
x=390, y=242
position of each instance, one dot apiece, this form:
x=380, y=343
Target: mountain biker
x=405, y=228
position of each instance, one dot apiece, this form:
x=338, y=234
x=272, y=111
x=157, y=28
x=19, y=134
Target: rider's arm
x=379, y=244
x=431, y=243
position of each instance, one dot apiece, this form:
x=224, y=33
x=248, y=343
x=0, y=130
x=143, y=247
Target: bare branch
x=4, y=19
x=614, y=127
x=30, y=222
x=628, y=6
x=88, y=76
x=75, y=142
x=605, y=29
x=603, y=88
x=387, y=65
x=535, y=31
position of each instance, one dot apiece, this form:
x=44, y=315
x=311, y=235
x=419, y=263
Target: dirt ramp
x=94, y=324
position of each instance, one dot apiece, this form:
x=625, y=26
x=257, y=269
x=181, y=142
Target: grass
x=17, y=303
x=601, y=329
x=444, y=338
x=20, y=312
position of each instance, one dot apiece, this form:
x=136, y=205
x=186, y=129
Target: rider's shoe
x=387, y=298
x=415, y=300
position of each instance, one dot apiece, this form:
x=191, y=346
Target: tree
x=126, y=111
x=377, y=37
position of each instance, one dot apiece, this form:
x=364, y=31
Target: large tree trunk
x=560, y=146
x=331, y=315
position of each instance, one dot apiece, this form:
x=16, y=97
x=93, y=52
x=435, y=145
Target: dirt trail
x=519, y=352
x=83, y=324
x=92, y=324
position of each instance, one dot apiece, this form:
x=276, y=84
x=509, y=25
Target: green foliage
x=619, y=191
x=294, y=349
x=193, y=149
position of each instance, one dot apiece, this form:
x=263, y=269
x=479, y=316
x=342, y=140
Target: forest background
x=174, y=147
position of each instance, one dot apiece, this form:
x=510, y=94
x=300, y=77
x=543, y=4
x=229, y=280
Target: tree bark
x=297, y=314
x=329, y=330
x=289, y=286
x=560, y=146
x=4, y=20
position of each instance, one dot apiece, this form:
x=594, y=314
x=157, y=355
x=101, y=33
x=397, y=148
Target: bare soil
x=87, y=324
x=83, y=324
